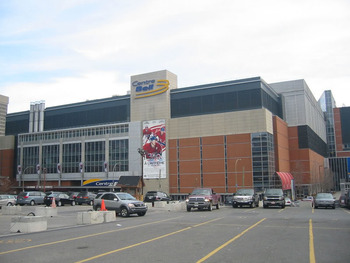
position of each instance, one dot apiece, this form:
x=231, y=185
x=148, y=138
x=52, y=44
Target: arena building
x=228, y=135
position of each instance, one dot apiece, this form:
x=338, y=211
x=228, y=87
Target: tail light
x=25, y=196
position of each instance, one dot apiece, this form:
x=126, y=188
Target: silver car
x=7, y=200
x=324, y=200
x=122, y=203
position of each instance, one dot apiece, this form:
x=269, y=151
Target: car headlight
x=131, y=205
x=265, y=198
x=206, y=200
x=187, y=200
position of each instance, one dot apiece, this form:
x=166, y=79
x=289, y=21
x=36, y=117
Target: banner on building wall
x=100, y=182
x=349, y=168
x=154, y=145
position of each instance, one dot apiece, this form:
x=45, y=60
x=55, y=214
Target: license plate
x=196, y=204
x=272, y=203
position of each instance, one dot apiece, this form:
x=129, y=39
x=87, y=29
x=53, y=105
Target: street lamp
x=113, y=171
x=23, y=176
x=142, y=152
x=239, y=159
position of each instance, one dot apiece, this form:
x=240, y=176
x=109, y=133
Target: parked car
x=31, y=198
x=324, y=200
x=7, y=200
x=287, y=201
x=245, y=197
x=342, y=201
x=122, y=203
x=308, y=198
x=60, y=199
x=273, y=197
x=228, y=200
x=73, y=195
x=152, y=196
x=85, y=198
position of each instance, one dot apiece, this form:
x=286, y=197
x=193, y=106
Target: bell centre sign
x=150, y=88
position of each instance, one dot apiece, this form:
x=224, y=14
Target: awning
x=286, y=179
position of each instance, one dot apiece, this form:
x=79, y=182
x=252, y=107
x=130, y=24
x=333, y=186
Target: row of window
x=74, y=133
x=94, y=155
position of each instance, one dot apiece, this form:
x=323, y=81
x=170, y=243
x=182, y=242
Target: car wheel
x=252, y=205
x=32, y=203
x=265, y=206
x=124, y=212
x=73, y=203
x=141, y=213
x=9, y=204
x=333, y=207
x=234, y=206
x=188, y=209
x=97, y=208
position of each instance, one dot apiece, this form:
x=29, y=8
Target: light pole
x=142, y=152
x=239, y=159
x=23, y=176
x=113, y=171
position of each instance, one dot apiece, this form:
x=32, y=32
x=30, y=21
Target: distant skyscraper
x=4, y=101
x=327, y=104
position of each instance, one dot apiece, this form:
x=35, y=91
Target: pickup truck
x=203, y=198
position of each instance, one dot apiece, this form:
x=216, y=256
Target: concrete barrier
x=176, y=206
x=11, y=210
x=46, y=211
x=160, y=204
x=28, y=224
x=95, y=217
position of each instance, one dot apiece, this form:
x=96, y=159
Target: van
x=30, y=198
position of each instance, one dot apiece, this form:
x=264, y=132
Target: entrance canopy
x=286, y=179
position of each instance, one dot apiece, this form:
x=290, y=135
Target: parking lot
x=292, y=234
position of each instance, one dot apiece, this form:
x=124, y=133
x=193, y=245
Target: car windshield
x=125, y=196
x=274, y=192
x=201, y=192
x=324, y=196
x=245, y=192
x=22, y=194
x=54, y=194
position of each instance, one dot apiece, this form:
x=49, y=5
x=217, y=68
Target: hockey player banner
x=154, y=145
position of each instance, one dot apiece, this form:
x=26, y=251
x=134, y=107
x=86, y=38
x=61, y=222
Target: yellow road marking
x=311, y=243
x=146, y=241
x=229, y=242
x=82, y=237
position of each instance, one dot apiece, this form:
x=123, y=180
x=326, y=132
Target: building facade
x=227, y=135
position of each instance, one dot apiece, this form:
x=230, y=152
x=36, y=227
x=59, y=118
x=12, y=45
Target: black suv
x=273, y=197
x=153, y=196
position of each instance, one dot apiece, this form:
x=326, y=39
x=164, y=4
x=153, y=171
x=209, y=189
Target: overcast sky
x=67, y=51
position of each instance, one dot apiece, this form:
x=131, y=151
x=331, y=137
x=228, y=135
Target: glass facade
x=263, y=155
x=50, y=158
x=224, y=97
x=88, y=144
x=94, y=156
x=71, y=157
